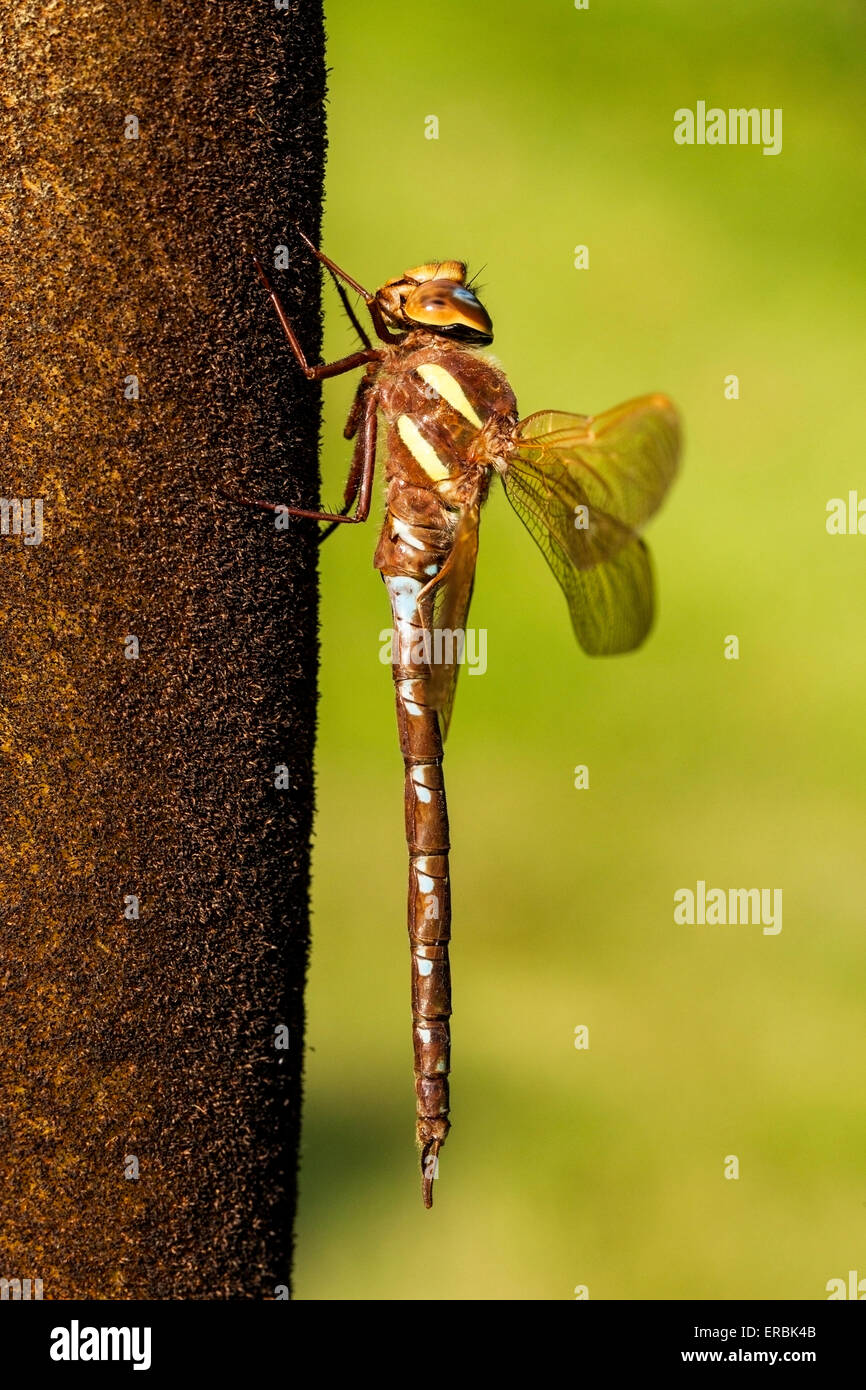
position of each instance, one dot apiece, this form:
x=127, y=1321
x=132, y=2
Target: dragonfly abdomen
x=429, y=905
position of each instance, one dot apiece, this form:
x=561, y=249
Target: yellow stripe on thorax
x=449, y=389
x=422, y=452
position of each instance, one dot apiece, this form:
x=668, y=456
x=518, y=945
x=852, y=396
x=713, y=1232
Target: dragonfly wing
x=451, y=596
x=582, y=485
x=626, y=458
x=603, y=568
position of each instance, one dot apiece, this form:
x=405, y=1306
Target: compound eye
x=445, y=304
x=433, y=302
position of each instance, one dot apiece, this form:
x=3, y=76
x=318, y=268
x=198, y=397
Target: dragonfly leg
x=352, y=316
x=359, y=457
x=362, y=446
x=359, y=482
x=356, y=411
x=375, y=312
x=351, y=490
x=324, y=369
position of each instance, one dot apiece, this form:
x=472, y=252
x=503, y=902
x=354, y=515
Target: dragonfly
x=582, y=485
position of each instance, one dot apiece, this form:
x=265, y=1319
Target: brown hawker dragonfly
x=582, y=485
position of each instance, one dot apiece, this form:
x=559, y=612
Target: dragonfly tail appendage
x=429, y=906
x=429, y=1162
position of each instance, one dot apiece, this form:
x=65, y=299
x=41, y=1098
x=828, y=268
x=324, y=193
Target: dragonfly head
x=436, y=297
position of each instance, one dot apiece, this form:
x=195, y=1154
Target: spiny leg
x=364, y=456
x=382, y=332
x=324, y=369
x=352, y=316
x=361, y=452
x=360, y=482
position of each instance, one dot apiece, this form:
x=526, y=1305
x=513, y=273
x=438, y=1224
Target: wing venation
x=583, y=487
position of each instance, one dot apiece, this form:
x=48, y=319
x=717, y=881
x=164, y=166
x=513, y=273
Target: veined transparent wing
x=626, y=458
x=582, y=485
x=451, y=596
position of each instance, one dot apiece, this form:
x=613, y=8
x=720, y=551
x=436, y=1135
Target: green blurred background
x=605, y=1167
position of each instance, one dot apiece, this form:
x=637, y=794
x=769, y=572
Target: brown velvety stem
x=158, y=645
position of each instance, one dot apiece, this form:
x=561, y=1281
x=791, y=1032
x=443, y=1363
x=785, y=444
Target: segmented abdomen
x=429, y=907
